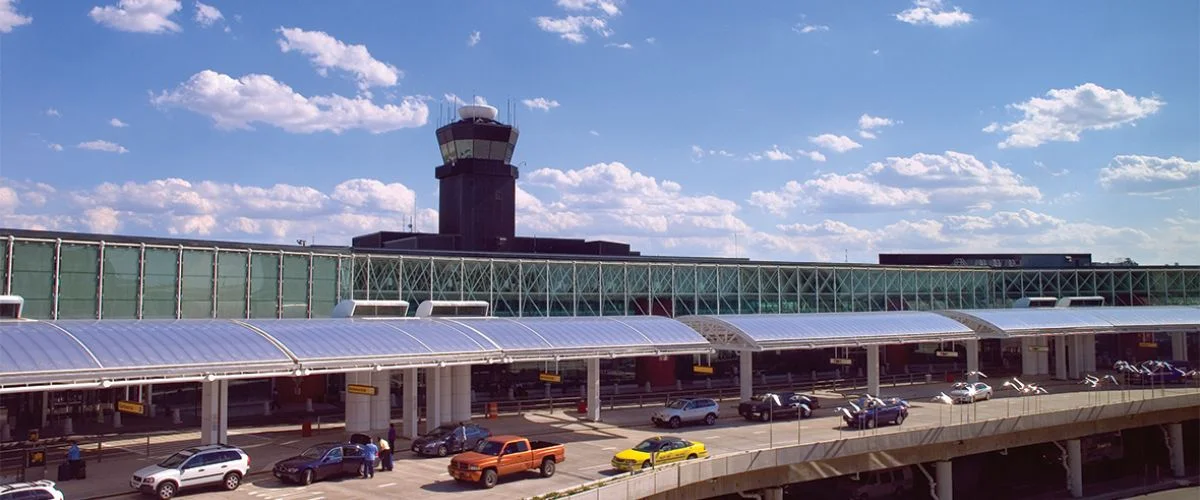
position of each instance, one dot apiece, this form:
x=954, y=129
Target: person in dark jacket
x=392, y=436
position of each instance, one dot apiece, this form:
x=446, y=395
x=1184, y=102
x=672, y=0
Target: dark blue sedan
x=321, y=461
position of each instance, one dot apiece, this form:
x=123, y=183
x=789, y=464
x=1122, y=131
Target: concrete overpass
x=933, y=433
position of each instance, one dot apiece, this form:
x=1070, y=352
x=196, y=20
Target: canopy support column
x=409, y=405
x=593, y=389
x=461, y=392
x=1075, y=468
x=873, y=370
x=1060, y=357
x=1074, y=358
x=381, y=402
x=1089, y=352
x=358, y=406
x=945, y=480
x=214, y=411
x=1178, y=346
x=1043, y=355
x=433, y=396
x=445, y=395
x=746, y=375
x=1175, y=448
x=1028, y=360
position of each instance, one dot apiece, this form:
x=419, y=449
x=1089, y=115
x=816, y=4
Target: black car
x=449, y=439
x=321, y=461
x=774, y=405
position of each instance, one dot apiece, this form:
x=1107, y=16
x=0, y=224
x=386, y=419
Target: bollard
x=117, y=419
x=266, y=408
x=68, y=426
x=308, y=406
x=176, y=418
x=548, y=396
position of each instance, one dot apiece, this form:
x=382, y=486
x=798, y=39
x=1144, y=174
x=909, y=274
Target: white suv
x=36, y=490
x=684, y=410
x=199, y=466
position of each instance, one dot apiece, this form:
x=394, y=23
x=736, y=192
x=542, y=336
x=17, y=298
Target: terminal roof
x=759, y=332
x=1003, y=323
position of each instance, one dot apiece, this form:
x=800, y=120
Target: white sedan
x=970, y=392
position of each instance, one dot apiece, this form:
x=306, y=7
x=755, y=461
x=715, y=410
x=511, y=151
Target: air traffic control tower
x=477, y=197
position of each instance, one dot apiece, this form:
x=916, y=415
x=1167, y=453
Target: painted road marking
x=760, y=432
x=385, y=485
x=594, y=467
x=610, y=448
x=711, y=437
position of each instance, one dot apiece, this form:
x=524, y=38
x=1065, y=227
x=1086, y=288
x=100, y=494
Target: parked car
x=199, y=466
x=34, y=490
x=658, y=450
x=321, y=461
x=775, y=405
x=970, y=392
x=889, y=483
x=500, y=456
x=687, y=410
x=866, y=413
x=449, y=439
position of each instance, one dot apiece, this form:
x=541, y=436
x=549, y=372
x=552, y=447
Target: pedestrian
x=370, y=451
x=274, y=398
x=392, y=436
x=385, y=455
x=74, y=458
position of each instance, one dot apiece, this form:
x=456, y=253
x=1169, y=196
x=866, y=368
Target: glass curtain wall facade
x=61, y=279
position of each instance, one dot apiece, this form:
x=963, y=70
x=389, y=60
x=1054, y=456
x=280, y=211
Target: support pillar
x=46, y=409
x=773, y=493
x=1175, y=447
x=214, y=411
x=433, y=396
x=1028, y=360
x=945, y=480
x=1043, y=355
x=150, y=401
x=116, y=419
x=358, y=406
x=409, y=427
x=593, y=389
x=461, y=392
x=1178, y=346
x=381, y=402
x=446, y=394
x=1089, y=352
x=972, y=360
x=873, y=370
x=1060, y=357
x=746, y=375
x=1074, y=468
x=1073, y=357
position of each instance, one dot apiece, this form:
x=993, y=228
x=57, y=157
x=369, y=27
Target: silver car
x=970, y=392
x=682, y=411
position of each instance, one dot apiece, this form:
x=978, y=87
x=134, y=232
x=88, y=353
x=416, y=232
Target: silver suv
x=36, y=490
x=199, y=466
x=684, y=410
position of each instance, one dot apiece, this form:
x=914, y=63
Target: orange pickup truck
x=504, y=455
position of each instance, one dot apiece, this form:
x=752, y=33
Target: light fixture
x=106, y=383
x=210, y=377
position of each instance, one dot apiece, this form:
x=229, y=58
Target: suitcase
x=81, y=470
x=64, y=472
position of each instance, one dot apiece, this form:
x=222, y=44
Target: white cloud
x=699, y=153
x=116, y=122
x=933, y=13
x=53, y=112
x=651, y=40
x=207, y=15
x=1065, y=113
x=540, y=103
x=10, y=18
x=812, y=155
x=139, y=16
x=868, y=122
x=237, y=103
x=809, y=28
x=875, y=52
x=327, y=52
x=836, y=143
x=108, y=147
x=9, y=200
x=939, y=183
x=458, y=101
x=54, y=146
x=474, y=38
x=608, y=7
x=773, y=154
x=595, y=133
x=625, y=45
x=866, y=135
x=1136, y=174
x=571, y=28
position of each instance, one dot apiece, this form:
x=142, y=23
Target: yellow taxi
x=658, y=450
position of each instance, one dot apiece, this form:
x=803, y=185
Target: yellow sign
x=840, y=361
x=1039, y=348
x=133, y=407
x=365, y=390
x=707, y=370
x=946, y=354
x=36, y=458
x=549, y=377
x=1153, y=345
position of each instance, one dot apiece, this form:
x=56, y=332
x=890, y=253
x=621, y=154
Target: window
x=351, y=451
x=335, y=453
x=521, y=446
x=510, y=448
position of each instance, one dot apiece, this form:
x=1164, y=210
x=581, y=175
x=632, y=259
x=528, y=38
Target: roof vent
x=357, y=308
x=449, y=308
x=10, y=306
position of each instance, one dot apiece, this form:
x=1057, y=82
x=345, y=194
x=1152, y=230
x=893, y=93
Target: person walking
x=385, y=455
x=370, y=451
x=392, y=436
x=74, y=459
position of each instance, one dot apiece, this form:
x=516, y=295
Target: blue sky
x=807, y=129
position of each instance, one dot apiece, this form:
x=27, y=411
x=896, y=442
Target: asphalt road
x=589, y=452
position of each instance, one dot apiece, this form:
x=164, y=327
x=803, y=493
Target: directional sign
x=35, y=458
x=1039, y=348
x=365, y=390
x=707, y=370
x=1152, y=345
x=131, y=407
x=946, y=354
x=841, y=361
x=549, y=377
